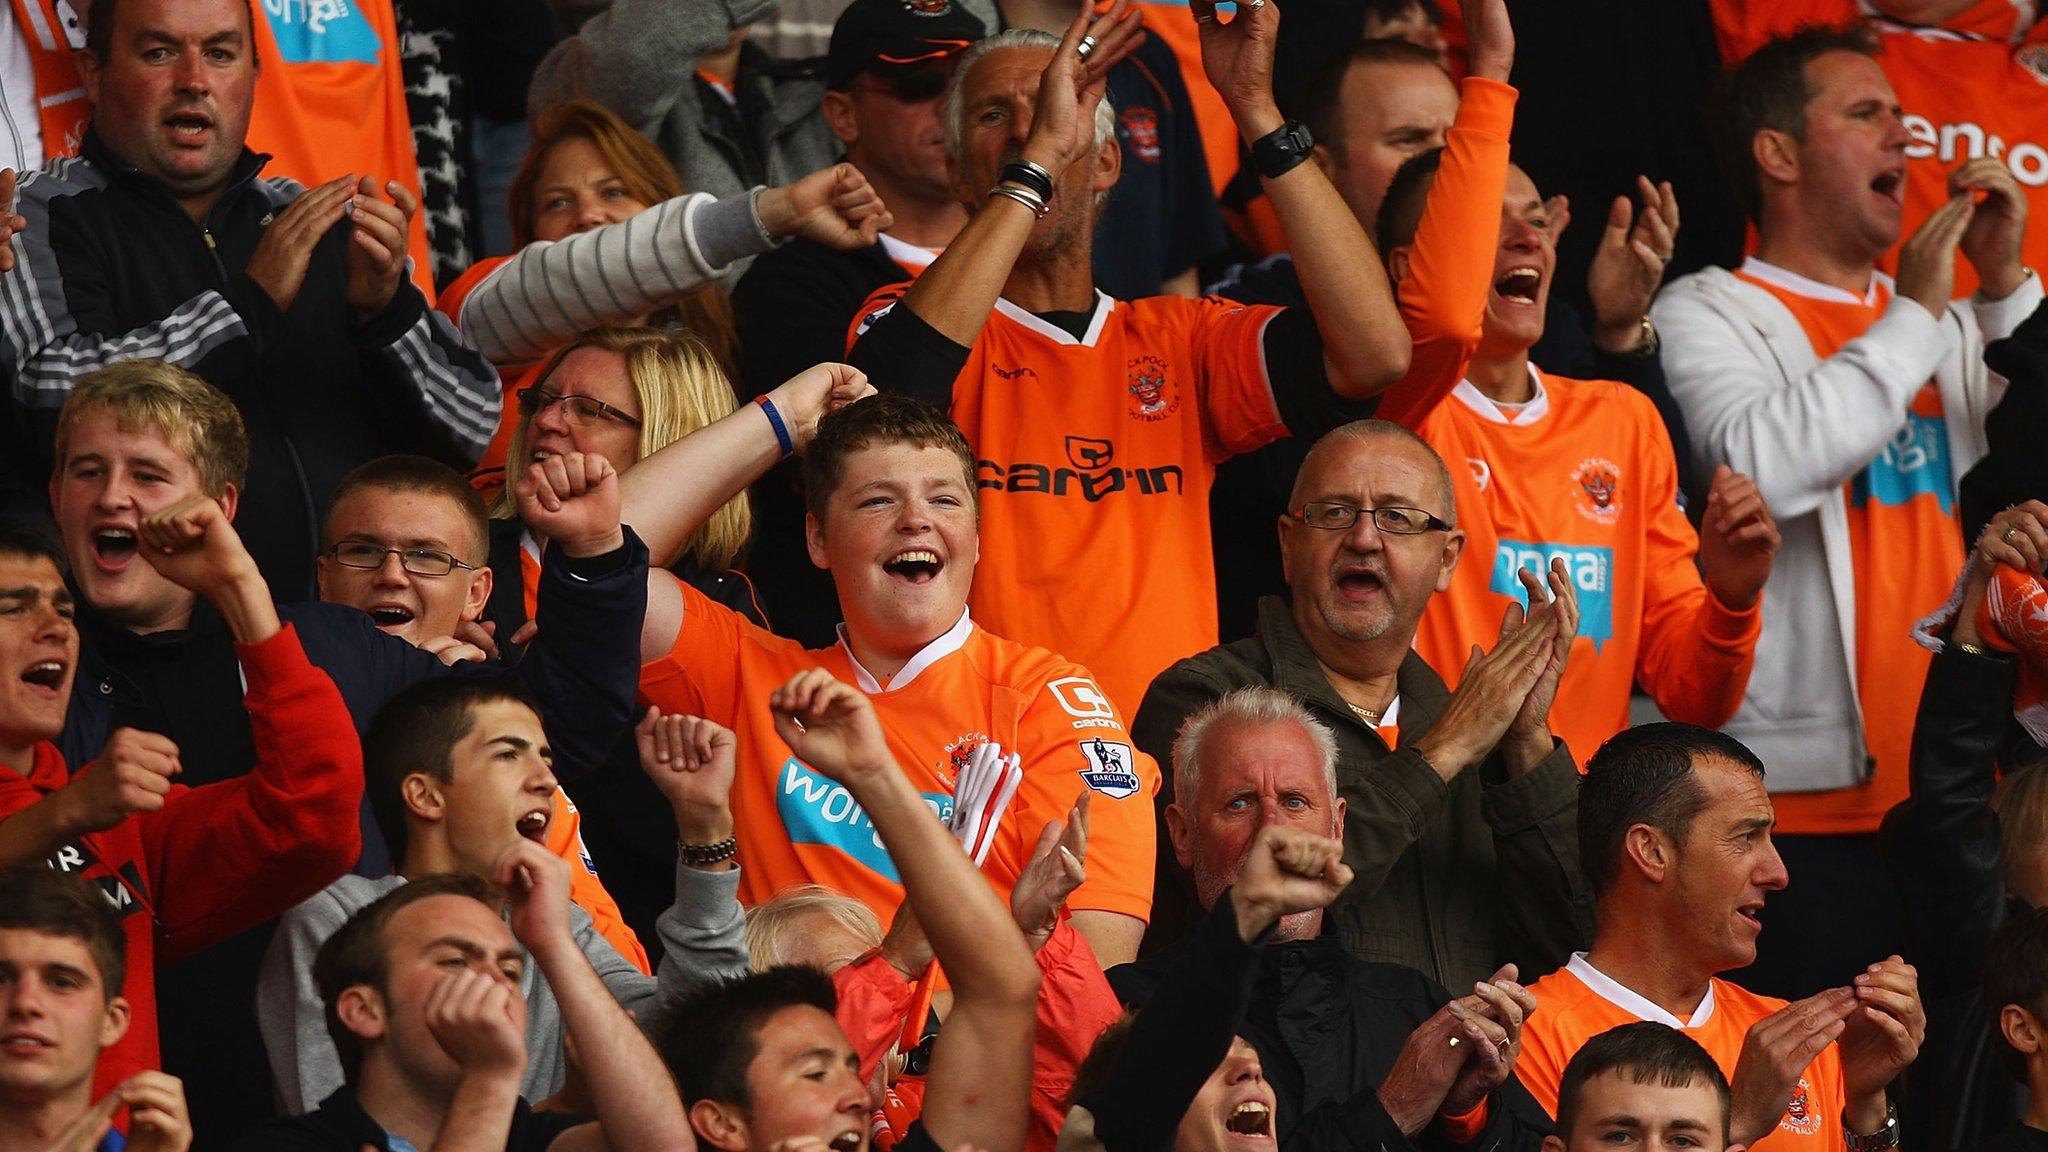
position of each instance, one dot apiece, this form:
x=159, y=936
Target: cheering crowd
x=1023, y=576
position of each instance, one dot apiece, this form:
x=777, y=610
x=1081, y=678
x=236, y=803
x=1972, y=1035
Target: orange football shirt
x=967, y=688
x=1906, y=546
x=1585, y=473
x=1094, y=459
x=330, y=100
x=1578, y=1002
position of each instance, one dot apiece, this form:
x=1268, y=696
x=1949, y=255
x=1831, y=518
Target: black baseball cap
x=893, y=38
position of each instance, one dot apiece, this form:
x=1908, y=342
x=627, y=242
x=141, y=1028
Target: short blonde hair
x=192, y=416
x=681, y=389
x=774, y=928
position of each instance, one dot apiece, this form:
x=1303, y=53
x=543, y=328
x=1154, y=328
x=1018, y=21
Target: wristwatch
x=1278, y=152
x=1878, y=1141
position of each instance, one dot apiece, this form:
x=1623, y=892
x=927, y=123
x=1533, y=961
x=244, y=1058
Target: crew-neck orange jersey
x=965, y=689
x=1094, y=458
x=1578, y=1002
x=1584, y=472
x=330, y=100
x=1906, y=547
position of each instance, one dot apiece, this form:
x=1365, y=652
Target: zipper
x=213, y=250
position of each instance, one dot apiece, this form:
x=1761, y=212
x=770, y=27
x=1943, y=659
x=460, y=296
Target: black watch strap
x=1278, y=152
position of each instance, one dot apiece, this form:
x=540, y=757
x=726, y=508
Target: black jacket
x=1182, y=1035
x=1328, y=1028
x=1942, y=844
x=113, y=268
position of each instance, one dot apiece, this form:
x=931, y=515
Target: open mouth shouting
x=914, y=565
x=1891, y=185
x=534, y=824
x=1520, y=286
x=848, y=1141
x=1253, y=1119
x=46, y=676
x=392, y=617
x=1360, y=582
x=113, y=547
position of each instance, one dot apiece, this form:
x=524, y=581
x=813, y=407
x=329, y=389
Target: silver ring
x=1454, y=1041
x=1086, y=46
x=1255, y=5
x=1503, y=1044
x=2011, y=530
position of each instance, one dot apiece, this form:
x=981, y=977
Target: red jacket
x=1075, y=1005
x=223, y=857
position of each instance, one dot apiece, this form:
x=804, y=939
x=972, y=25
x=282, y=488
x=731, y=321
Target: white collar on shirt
x=908, y=255
x=948, y=643
x=1799, y=285
x=1104, y=305
x=1611, y=990
x=1536, y=409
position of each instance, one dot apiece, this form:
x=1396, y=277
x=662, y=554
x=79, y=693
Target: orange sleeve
x=565, y=839
x=873, y=999
x=701, y=674
x=1450, y=264
x=1062, y=761
x=1239, y=412
x=1075, y=1006
x=1696, y=653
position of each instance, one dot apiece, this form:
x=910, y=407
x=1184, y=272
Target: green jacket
x=1452, y=879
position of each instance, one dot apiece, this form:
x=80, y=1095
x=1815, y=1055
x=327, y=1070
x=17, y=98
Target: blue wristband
x=775, y=422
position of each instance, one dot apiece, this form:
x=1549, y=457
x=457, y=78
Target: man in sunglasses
x=885, y=73
x=1460, y=808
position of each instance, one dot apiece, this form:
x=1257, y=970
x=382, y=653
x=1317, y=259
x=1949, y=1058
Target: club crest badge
x=1153, y=396
x=1598, y=494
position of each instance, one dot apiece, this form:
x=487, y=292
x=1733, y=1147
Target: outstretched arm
x=670, y=494
x=615, y=274
x=1365, y=344
x=977, y=1092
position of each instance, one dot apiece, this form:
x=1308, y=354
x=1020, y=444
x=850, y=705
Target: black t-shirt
x=341, y=1125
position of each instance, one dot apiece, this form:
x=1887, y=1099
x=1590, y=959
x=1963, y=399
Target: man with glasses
x=1460, y=807
x=887, y=68
x=407, y=541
